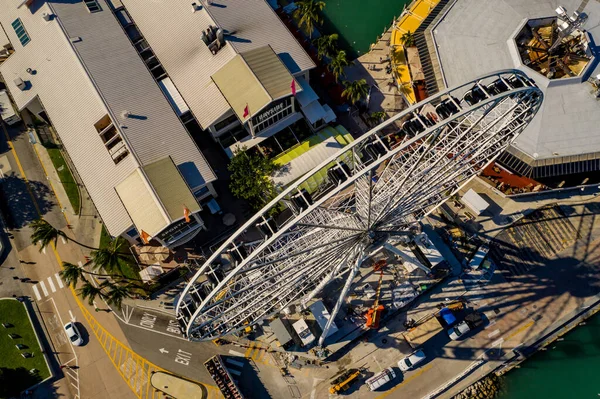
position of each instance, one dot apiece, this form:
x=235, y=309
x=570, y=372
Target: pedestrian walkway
x=46, y=287
x=259, y=354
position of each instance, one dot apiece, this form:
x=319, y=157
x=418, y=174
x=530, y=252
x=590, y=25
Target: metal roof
x=85, y=68
x=141, y=203
x=189, y=63
x=473, y=39
x=155, y=195
x=254, y=78
x=241, y=88
x=170, y=188
x=270, y=71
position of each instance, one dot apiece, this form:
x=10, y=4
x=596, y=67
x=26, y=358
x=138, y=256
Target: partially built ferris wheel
x=368, y=194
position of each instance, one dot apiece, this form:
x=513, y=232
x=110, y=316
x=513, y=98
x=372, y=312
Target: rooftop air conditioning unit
x=20, y=83
x=46, y=16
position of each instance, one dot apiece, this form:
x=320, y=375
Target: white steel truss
x=385, y=181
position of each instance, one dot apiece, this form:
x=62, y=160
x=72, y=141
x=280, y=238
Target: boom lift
x=374, y=314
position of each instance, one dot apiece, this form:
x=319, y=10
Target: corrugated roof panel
x=173, y=96
x=171, y=189
x=141, y=204
x=241, y=88
x=270, y=71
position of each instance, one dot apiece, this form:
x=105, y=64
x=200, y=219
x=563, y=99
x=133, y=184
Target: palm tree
x=408, y=39
x=45, y=234
x=326, y=45
x=116, y=293
x=337, y=64
x=90, y=292
x=356, y=90
x=308, y=14
x=71, y=274
x=110, y=258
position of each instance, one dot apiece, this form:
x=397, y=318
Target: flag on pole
x=246, y=111
x=145, y=237
x=293, y=86
x=186, y=214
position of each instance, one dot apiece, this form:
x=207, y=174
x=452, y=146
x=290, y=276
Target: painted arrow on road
x=163, y=350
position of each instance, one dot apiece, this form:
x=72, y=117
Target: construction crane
x=374, y=314
x=343, y=382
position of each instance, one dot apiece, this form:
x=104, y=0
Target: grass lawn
x=65, y=176
x=13, y=312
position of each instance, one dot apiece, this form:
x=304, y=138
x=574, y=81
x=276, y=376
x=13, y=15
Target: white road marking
x=493, y=333
x=37, y=293
x=235, y=353
x=44, y=250
x=314, y=390
x=63, y=240
x=498, y=342
x=80, y=264
x=59, y=280
x=163, y=350
x=71, y=314
x=43, y=288
x=52, y=286
x=378, y=365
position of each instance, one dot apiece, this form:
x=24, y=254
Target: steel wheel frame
x=378, y=200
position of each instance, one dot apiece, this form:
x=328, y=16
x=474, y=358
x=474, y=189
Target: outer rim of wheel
x=356, y=175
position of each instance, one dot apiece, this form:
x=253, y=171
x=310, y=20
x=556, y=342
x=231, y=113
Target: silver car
x=73, y=334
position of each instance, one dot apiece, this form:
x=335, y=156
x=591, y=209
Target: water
x=570, y=370
x=359, y=22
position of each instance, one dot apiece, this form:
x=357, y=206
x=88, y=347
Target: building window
x=225, y=122
x=276, y=112
x=92, y=5
x=112, y=139
x=201, y=192
x=132, y=233
x=20, y=31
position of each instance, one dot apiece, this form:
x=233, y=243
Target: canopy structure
x=151, y=272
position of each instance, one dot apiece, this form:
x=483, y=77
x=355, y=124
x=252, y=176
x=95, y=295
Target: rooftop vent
x=196, y=7
x=214, y=38
x=20, y=83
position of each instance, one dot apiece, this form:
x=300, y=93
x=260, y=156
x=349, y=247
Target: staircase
x=425, y=46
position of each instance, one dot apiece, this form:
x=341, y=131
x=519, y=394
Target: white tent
x=475, y=202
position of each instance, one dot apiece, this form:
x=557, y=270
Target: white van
x=6, y=109
x=380, y=379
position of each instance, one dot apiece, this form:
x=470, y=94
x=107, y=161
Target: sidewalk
x=86, y=225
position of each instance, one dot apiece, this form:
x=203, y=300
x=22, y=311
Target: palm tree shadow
x=16, y=203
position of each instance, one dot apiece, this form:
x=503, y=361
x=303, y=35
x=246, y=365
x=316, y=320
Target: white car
x=458, y=330
x=411, y=360
x=73, y=334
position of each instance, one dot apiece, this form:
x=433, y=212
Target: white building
x=74, y=66
x=220, y=60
